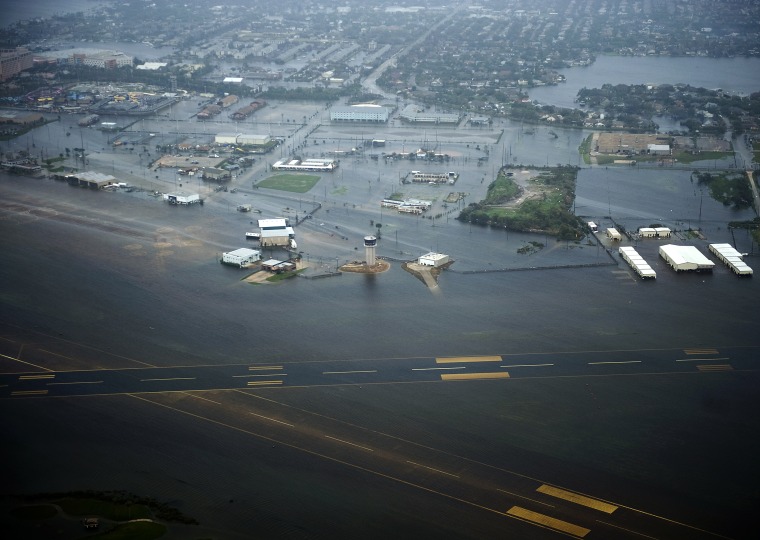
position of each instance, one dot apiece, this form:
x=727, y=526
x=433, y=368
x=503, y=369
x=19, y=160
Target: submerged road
x=292, y=373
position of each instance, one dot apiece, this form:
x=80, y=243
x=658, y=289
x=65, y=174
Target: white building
x=731, y=258
x=226, y=138
x=182, y=198
x=276, y=232
x=637, y=262
x=241, y=257
x=685, y=258
x=307, y=165
x=242, y=138
x=658, y=149
x=254, y=139
x=360, y=113
x=105, y=59
x=412, y=113
x=614, y=234
x=433, y=259
x=152, y=66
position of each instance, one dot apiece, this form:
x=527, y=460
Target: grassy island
x=530, y=200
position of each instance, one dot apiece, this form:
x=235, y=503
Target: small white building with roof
x=241, y=257
x=433, y=259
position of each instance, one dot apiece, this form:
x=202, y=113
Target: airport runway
x=225, y=396
x=47, y=383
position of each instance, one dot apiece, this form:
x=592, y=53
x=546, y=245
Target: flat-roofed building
x=241, y=257
x=658, y=149
x=685, y=258
x=14, y=61
x=433, y=259
x=276, y=232
x=360, y=113
x=414, y=114
x=90, y=179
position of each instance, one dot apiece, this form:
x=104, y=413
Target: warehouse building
x=212, y=174
x=242, y=139
x=637, y=262
x=88, y=179
x=415, y=115
x=614, y=235
x=729, y=256
x=276, y=232
x=685, y=258
x=241, y=257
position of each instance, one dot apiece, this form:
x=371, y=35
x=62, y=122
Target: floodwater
x=739, y=76
x=98, y=276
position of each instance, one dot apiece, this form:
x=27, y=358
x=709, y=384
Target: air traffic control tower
x=369, y=250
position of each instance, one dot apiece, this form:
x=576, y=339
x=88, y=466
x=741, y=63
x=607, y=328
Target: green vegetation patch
x=113, y=505
x=546, y=210
x=690, y=157
x=283, y=276
x=135, y=530
x=107, y=509
x=530, y=248
x=731, y=189
x=35, y=512
x=295, y=183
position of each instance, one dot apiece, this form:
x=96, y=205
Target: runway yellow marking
x=577, y=498
x=23, y=362
x=354, y=371
x=262, y=368
x=467, y=359
x=432, y=469
x=75, y=382
x=262, y=383
x=36, y=376
x=524, y=497
x=272, y=419
x=548, y=521
x=29, y=393
x=701, y=359
x=437, y=368
x=352, y=444
x=473, y=376
x=258, y=375
x=715, y=367
x=700, y=351
x=171, y=379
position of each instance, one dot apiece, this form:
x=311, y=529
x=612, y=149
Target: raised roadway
x=225, y=396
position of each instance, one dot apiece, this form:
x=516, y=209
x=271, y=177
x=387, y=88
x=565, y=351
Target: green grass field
x=295, y=183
